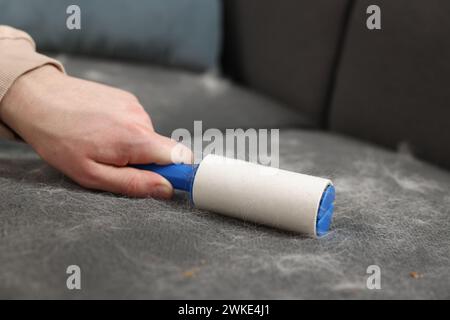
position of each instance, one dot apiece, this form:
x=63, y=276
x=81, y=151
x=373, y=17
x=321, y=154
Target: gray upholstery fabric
x=286, y=49
x=392, y=87
x=183, y=33
x=391, y=210
x=175, y=99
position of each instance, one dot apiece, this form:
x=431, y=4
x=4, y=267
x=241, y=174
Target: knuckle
x=146, y=116
x=121, y=158
x=126, y=95
x=136, y=129
x=131, y=185
x=135, y=109
x=128, y=100
x=131, y=96
x=88, y=176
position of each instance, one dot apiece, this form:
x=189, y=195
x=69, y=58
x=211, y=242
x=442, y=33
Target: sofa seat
x=391, y=211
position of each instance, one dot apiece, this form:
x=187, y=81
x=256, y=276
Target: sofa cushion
x=391, y=211
x=392, y=87
x=175, y=99
x=285, y=49
x=183, y=33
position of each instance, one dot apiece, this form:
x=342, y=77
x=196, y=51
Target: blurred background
x=316, y=60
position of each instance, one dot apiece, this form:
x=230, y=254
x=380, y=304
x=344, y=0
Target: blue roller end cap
x=325, y=213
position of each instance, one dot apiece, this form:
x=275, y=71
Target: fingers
x=128, y=181
x=161, y=150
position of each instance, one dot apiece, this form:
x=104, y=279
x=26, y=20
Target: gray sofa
x=392, y=209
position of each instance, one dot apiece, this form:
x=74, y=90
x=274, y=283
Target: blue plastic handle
x=181, y=176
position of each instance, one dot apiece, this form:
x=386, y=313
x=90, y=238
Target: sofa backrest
x=388, y=86
x=285, y=49
x=393, y=84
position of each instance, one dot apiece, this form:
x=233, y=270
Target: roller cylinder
x=265, y=195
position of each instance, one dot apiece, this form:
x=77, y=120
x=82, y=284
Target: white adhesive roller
x=274, y=197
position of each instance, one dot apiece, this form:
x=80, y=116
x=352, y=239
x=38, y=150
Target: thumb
x=129, y=181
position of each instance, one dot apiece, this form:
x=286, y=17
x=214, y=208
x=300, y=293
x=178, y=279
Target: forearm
x=18, y=56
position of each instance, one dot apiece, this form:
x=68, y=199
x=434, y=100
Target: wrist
x=22, y=94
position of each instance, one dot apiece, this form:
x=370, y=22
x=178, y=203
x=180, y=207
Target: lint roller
x=274, y=197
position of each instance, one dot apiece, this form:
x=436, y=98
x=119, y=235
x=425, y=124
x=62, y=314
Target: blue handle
x=181, y=176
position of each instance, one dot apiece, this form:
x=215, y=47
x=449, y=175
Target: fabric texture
x=392, y=85
x=285, y=49
x=184, y=33
x=391, y=211
x=17, y=57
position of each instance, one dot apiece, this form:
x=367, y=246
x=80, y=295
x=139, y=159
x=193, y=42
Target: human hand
x=90, y=132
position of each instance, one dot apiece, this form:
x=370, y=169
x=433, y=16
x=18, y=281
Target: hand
x=90, y=132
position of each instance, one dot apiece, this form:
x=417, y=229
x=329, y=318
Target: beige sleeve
x=17, y=56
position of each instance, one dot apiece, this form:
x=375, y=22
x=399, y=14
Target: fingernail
x=181, y=154
x=162, y=191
